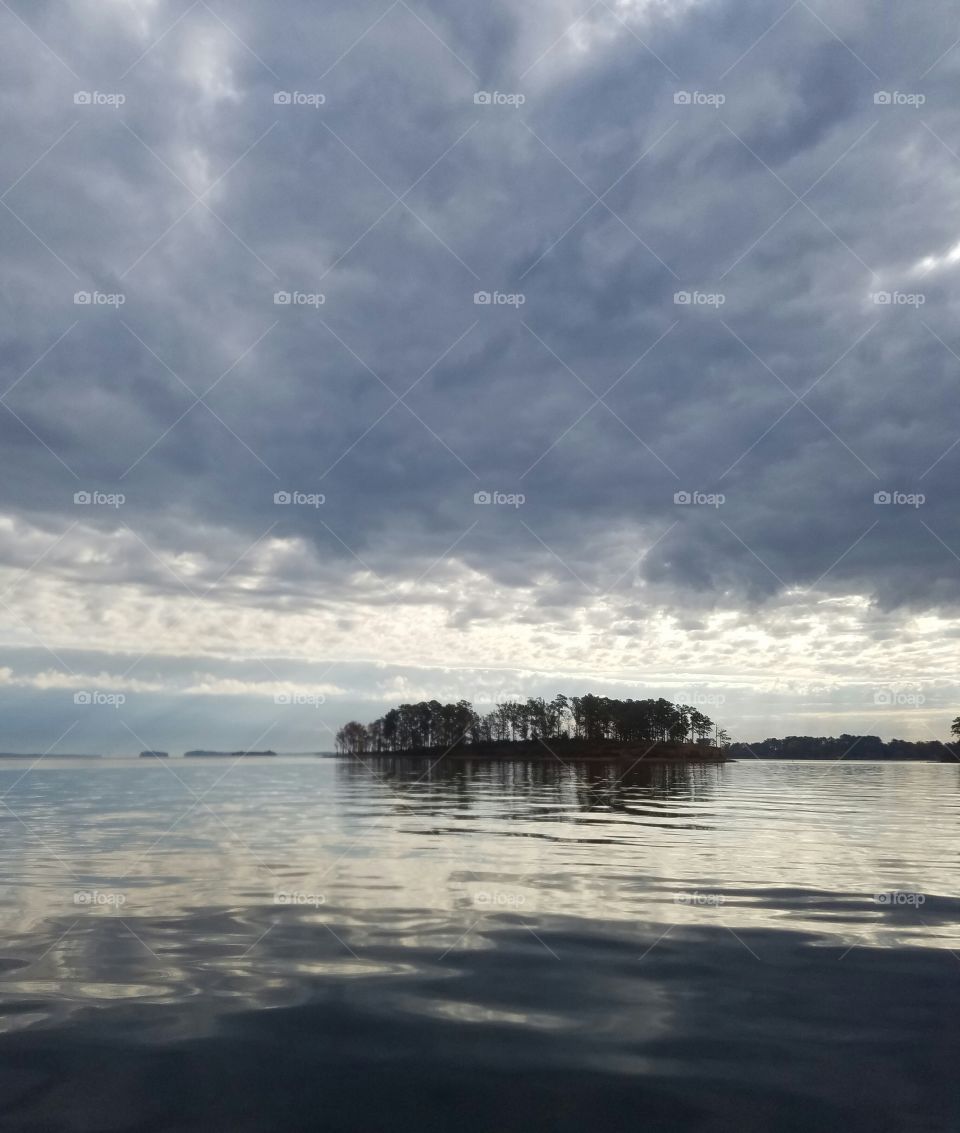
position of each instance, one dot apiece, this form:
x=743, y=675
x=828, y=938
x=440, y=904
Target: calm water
x=313, y=944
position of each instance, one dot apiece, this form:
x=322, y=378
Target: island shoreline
x=563, y=750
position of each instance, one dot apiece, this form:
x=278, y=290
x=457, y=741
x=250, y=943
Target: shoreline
x=560, y=750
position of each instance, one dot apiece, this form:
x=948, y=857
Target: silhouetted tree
x=430, y=724
x=352, y=738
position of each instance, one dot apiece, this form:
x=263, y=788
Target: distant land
x=44, y=755
x=202, y=754
x=846, y=747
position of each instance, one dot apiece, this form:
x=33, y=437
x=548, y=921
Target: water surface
x=320, y=944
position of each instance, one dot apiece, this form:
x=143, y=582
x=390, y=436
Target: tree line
x=430, y=724
x=846, y=747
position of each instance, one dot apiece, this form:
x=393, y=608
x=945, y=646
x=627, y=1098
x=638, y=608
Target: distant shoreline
x=202, y=754
x=897, y=751
x=849, y=748
x=47, y=755
x=559, y=750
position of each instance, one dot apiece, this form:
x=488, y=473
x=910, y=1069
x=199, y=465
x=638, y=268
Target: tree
x=537, y=716
x=955, y=728
x=598, y=719
x=352, y=738
x=557, y=717
x=576, y=714
x=700, y=725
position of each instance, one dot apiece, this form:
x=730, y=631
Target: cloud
x=782, y=173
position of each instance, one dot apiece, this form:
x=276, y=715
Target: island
x=202, y=754
x=154, y=755
x=576, y=727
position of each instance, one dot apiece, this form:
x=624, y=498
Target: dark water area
x=323, y=944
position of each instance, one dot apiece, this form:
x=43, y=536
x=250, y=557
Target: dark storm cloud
x=596, y=200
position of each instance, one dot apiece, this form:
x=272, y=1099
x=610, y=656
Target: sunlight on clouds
x=811, y=641
x=210, y=685
x=568, y=34
x=934, y=262
x=284, y=598
x=57, y=679
x=206, y=64
x=194, y=684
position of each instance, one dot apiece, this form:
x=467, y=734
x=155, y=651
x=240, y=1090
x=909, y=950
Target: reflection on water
x=330, y=944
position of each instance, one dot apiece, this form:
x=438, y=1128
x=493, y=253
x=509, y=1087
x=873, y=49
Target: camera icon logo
x=81, y=497
x=282, y=98
x=482, y=498
x=682, y=98
x=881, y=497
x=482, y=98
x=681, y=497
x=882, y=98
x=82, y=98
x=82, y=298
x=82, y=698
x=282, y=298
x=282, y=698
x=281, y=497
x=682, y=298
x=482, y=298
x=883, y=697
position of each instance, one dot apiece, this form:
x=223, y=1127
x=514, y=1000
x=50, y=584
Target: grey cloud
x=307, y=203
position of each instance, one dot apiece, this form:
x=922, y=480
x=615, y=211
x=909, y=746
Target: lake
x=303, y=944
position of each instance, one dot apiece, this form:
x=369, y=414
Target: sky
x=359, y=353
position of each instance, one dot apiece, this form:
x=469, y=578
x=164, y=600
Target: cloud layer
x=244, y=251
